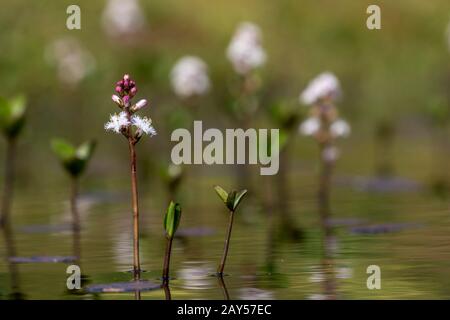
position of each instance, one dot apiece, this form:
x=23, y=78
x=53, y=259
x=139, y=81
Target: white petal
x=310, y=126
x=340, y=128
x=324, y=85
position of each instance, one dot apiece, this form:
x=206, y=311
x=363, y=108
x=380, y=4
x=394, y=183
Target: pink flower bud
x=140, y=104
x=126, y=99
x=118, y=89
x=133, y=91
x=117, y=100
x=126, y=77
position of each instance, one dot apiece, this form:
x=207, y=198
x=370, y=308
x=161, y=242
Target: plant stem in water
x=9, y=182
x=134, y=191
x=167, y=260
x=222, y=285
x=75, y=219
x=227, y=244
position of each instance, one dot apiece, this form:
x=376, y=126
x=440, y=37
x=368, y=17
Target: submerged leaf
x=172, y=219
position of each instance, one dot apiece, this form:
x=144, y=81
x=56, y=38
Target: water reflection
x=13, y=268
x=196, y=275
x=221, y=281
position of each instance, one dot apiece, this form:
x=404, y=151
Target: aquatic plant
x=231, y=201
x=325, y=126
x=74, y=160
x=132, y=127
x=171, y=223
x=12, y=120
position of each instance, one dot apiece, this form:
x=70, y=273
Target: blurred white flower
x=117, y=122
x=144, y=124
x=325, y=85
x=340, y=128
x=189, y=77
x=72, y=61
x=310, y=126
x=174, y=170
x=122, y=17
x=245, y=51
x=330, y=154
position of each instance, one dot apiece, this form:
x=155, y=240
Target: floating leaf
x=222, y=193
x=12, y=115
x=172, y=219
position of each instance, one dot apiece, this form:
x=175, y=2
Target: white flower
x=117, y=122
x=340, y=128
x=189, y=77
x=325, y=85
x=310, y=126
x=72, y=61
x=121, y=17
x=245, y=51
x=330, y=154
x=144, y=124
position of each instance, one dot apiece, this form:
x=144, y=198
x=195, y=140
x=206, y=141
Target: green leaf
x=73, y=159
x=222, y=193
x=230, y=200
x=172, y=219
x=84, y=152
x=238, y=198
x=12, y=115
x=63, y=149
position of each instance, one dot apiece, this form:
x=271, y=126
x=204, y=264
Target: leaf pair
x=74, y=159
x=172, y=219
x=232, y=199
x=12, y=115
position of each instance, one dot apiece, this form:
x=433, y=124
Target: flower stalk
x=132, y=127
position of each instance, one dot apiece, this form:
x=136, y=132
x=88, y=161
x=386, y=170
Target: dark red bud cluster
x=126, y=88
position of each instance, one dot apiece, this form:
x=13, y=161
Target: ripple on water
x=119, y=287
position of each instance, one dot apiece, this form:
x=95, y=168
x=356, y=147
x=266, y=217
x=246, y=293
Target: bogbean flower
x=324, y=86
x=72, y=61
x=123, y=121
x=189, y=77
x=340, y=128
x=323, y=123
x=132, y=127
x=310, y=126
x=123, y=17
x=245, y=50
